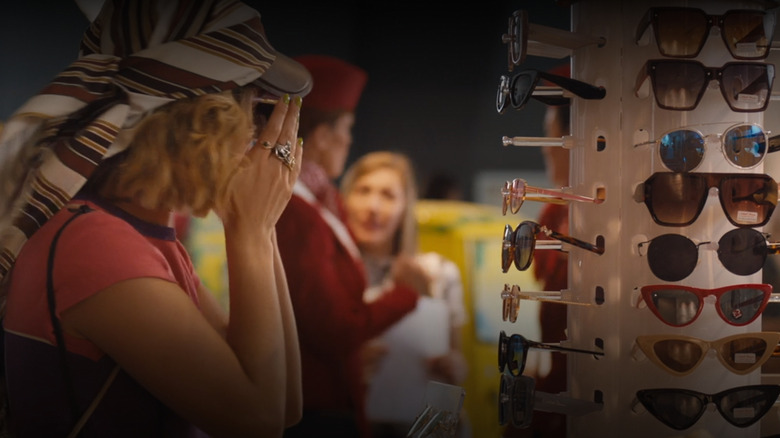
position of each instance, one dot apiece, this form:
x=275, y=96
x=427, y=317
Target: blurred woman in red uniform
x=323, y=265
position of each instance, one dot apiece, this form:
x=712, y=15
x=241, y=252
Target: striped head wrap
x=135, y=56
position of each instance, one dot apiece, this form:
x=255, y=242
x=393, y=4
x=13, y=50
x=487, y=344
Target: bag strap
x=79, y=420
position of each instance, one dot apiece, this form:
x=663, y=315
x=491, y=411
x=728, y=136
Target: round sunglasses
x=744, y=145
x=682, y=408
x=680, y=355
x=742, y=251
x=679, y=305
x=677, y=199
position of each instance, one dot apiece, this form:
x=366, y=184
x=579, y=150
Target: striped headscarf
x=135, y=56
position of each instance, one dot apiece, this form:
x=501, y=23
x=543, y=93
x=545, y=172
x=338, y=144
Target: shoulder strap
x=55, y=322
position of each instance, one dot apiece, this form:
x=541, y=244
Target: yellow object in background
x=471, y=236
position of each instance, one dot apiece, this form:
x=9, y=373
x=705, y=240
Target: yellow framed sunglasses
x=680, y=355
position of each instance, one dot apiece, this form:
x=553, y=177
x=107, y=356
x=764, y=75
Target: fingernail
x=298, y=100
x=286, y=98
x=300, y=142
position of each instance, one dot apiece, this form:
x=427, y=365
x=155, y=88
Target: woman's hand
x=262, y=184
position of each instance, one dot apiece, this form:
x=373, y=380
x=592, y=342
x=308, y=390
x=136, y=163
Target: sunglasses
x=678, y=305
x=682, y=408
x=524, y=85
x=521, y=33
x=742, y=251
x=518, y=399
x=511, y=296
x=677, y=199
x=743, y=145
x=515, y=192
x=681, y=32
x=680, y=355
x=680, y=84
x=513, y=352
x=518, y=245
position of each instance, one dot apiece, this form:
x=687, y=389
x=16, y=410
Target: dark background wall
x=433, y=71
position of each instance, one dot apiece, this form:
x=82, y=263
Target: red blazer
x=326, y=287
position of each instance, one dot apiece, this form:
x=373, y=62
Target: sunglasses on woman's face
x=523, y=85
x=511, y=296
x=513, y=352
x=743, y=145
x=677, y=199
x=680, y=84
x=682, y=408
x=518, y=399
x=680, y=355
x=681, y=32
x=518, y=245
x=742, y=251
x=678, y=305
x=515, y=192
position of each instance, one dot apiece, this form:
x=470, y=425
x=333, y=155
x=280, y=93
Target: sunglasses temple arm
x=774, y=144
x=643, y=25
x=557, y=347
x=576, y=242
x=563, y=195
x=579, y=88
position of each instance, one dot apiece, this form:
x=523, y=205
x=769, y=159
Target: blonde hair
x=183, y=155
x=405, y=239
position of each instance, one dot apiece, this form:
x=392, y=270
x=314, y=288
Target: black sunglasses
x=513, y=352
x=676, y=199
x=681, y=32
x=518, y=245
x=682, y=408
x=524, y=85
x=518, y=399
x=680, y=84
x=742, y=251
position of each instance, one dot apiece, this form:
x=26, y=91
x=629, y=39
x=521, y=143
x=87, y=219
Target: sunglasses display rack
x=615, y=148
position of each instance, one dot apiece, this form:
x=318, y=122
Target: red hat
x=337, y=83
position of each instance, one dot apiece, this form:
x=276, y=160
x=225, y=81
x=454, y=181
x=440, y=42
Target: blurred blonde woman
x=380, y=195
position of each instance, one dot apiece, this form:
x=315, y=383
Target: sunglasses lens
x=676, y=307
x=516, y=355
x=680, y=32
x=748, y=200
x=744, y=406
x=745, y=34
x=675, y=199
x=746, y=86
x=672, y=257
x=678, y=355
x=681, y=151
x=742, y=355
x=501, y=94
x=742, y=251
x=518, y=195
x=744, y=145
x=504, y=400
x=742, y=306
x=524, y=246
x=675, y=408
x=503, y=351
x=506, y=249
x=522, y=87
x=678, y=85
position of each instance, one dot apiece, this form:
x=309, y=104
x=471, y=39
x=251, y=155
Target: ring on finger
x=284, y=153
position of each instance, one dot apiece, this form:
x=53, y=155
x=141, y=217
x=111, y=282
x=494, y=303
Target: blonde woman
x=380, y=194
x=111, y=333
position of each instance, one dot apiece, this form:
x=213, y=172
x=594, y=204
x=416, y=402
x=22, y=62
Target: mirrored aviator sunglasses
x=680, y=84
x=680, y=32
x=680, y=305
x=676, y=199
x=681, y=408
x=681, y=355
